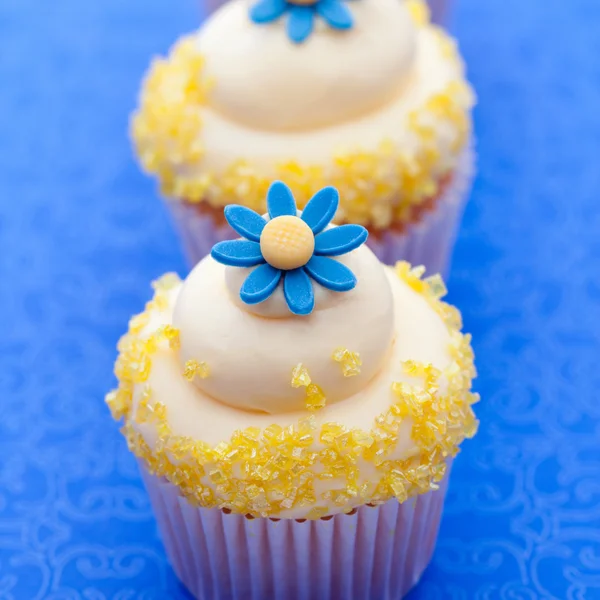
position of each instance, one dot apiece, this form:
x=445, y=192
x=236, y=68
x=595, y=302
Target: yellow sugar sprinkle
x=317, y=512
x=362, y=438
x=166, y=283
x=193, y=369
x=144, y=411
x=300, y=376
x=350, y=361
x=119, y=401
x=315, y=398
x=419, y=11
x=171, y=334
x=133, y=364
x=377, y=187
x=436, y=285
x=159, y=303
x=137, y=323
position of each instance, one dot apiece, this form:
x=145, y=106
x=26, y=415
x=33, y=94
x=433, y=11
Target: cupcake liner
x=378, y=552
x=439, y=11
x=428, y=242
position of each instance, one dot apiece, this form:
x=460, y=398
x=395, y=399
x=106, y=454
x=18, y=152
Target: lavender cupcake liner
x=428, y=242
x=377, y=552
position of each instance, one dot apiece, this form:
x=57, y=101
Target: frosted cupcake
x=295, y=406
x=367, y=96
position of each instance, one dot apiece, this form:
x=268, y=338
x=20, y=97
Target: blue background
x=82, y=232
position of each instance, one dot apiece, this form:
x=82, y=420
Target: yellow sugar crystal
x=119, y=401
x=167, y=282
x=173, y=337
x=436, y=286
x=171, y=334
x=317, y=512
x=419, y=11
x=350, y=361
x=159, y=303
x=143, y=412
x=300, y=376
x=133, y=364
x=193, y=369
x=138, y=322
x=331, y=431
x=315, y=398
x=417, y=271
x=362, y=438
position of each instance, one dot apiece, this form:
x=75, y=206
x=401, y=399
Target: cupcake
x=366, y=96
x=295, y=406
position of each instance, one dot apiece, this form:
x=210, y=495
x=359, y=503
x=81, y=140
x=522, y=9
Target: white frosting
x=217, y=327
x=266, y=82
x=235, y=124
x=419, y=334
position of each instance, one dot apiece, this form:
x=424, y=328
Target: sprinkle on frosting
x=193, y=368
x=266, y=472
x=315, y=397
x=166, y=283
x=168, y=128
x=419, y=11
x=300, y=376
x=378, y=188
x=350, y=361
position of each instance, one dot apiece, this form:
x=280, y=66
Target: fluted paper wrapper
x=438, y=8
x=428, y=242
x=377, y=553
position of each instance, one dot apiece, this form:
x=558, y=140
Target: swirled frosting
x=381, y=111
x=266, y=82
x=277, y=341
x=264, y=415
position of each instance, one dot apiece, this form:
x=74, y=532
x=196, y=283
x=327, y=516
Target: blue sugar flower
x=302, y=15
x=290, y=247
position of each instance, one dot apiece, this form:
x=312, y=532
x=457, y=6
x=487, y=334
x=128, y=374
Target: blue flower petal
x=245, y=221
x=331, y=274
x=298, y=292
x=336, y=13
x=320, y=209
x=300, y=22
x=280, y=200
x=340, y=240
x=266, y=11
x=260, y=284
x=238, y=253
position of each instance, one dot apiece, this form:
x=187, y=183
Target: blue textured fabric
x=82, y=233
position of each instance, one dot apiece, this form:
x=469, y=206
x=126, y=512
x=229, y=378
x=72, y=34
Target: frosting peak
x=252, y=359
x=265, y=81
x=221, y=309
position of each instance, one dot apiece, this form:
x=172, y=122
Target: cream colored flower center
x=287, y=243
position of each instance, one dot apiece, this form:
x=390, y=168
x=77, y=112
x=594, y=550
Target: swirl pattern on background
x=82, y=233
